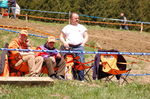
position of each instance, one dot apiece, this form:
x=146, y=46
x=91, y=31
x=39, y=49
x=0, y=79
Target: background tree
x=137, y=10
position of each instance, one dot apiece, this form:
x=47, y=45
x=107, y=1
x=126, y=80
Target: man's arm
x=62, y=39
x=85, y=35
x=13, y=45
x=125, y=20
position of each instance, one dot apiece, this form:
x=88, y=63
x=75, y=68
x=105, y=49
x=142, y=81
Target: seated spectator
x=52, y=59
x=17, y=58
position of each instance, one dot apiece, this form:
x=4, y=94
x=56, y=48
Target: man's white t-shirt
x=17, y=11
x=74, y=33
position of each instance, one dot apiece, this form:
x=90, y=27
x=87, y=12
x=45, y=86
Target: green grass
x=48, y=23
x=6, y=37
x=76, y=90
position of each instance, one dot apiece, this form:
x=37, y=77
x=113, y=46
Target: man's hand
x=85, y=38
x=66, y=45
x=53, y=59
x=62, y=38
x=82, y=44
x=58, y=55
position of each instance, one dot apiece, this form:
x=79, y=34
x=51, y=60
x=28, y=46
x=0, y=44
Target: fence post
x=69, y=16
x=141, y=27
x=26, y=17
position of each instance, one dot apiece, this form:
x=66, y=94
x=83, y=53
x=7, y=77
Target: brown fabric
x=34, y=63
x=60, y=63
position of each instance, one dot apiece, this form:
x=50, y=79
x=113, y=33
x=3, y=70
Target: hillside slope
x=125, y=41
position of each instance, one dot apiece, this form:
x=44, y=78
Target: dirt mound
x=125, y=41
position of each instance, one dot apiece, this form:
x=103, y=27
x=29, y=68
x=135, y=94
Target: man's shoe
x=60, y=77
x=53, y=76
x=34, y=75
x=82, y=81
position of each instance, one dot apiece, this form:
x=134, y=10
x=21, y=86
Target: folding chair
x=83, y=66
x=72, y=63
x=114, y=65
x=5, y=66
x=69, y=58
x=20, y=70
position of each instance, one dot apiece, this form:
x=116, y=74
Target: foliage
x=134, y=9
x=137, y=10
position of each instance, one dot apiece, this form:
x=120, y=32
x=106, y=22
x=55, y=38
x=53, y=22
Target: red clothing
x=5, y=14
x=47, y=54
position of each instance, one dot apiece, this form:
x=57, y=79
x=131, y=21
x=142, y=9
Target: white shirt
x=17, y=11
x=74, y=33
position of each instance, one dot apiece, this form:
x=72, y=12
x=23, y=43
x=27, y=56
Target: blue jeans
x=125, y=27
x=80, y=73
x=13, y=9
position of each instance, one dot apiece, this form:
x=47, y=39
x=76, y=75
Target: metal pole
x=141, y=27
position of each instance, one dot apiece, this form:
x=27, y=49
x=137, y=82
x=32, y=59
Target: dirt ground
x=124, y=41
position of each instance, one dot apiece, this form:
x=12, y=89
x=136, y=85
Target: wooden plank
x=27, y=80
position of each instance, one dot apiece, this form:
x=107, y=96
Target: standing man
x=124, y=21
x=75, y=36
x=17, y=58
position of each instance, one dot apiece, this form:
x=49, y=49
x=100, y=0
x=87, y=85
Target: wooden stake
x=26, y=17
x=141, y=27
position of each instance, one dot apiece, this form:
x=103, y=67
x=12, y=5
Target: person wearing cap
x=52, y=59
x=74, y=36
x=17, y=58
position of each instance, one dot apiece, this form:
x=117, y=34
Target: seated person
x=17, y=58
x=53, y=59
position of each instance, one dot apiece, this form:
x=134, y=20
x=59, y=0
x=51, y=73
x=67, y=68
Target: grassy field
x=76, y=90
x=71, y=89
